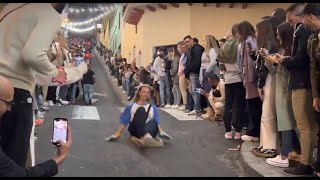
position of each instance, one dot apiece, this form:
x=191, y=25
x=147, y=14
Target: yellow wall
x=165, y=27
x=217, y=21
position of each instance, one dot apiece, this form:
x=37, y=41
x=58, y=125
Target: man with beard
x=311, y=21
x=26, y=32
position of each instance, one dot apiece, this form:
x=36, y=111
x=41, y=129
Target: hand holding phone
x=60, y=130
x=63, y=149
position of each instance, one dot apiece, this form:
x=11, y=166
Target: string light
x=101, y=8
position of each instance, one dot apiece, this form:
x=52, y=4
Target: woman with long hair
x=266, y=41
x=143, y=120
x=285, y=117
x=247, y=39
x=209, y=64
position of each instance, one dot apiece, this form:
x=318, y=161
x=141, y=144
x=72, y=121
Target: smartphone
x=60, y=130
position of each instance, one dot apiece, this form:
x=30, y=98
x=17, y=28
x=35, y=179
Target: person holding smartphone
x=8, y=168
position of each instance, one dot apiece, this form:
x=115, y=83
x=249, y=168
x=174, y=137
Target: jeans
x=73, y=92
x=190, y=102
x=234, y=105
x=290, y=142
x=169, y=85
x=124, y=84
x=194, y=84
x=88, y=92
x=176, y=94
x=162, y=88
x=127, y=84
x=63, y=92
x=205, y=82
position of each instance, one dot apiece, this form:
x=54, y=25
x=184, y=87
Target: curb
x=256, y=166
x=121, y=96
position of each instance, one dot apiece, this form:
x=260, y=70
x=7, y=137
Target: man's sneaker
x=40, y=114
x=257, y=148
x=237, y=136
x=63, y=102
x=124, y=92
x=128, y=98
x=167, y=106
x=183, y=107
x=300, y=170
x=265, y=153
x=194, y=112
x=50, y=103
x=175, y=106
x=228, y=135
x=149, y=141
x=187, y=111
x=250, y=138
x=278, y=162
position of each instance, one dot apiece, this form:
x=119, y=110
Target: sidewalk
x=258, y=165
x=116, y=89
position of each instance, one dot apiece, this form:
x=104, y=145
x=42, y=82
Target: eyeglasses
x=9, y=104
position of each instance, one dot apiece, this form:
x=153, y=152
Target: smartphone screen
x=60, y=130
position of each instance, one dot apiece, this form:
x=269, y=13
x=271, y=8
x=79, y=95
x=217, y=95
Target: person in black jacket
x=8, y=168
x=192, y=71
x=298, y=64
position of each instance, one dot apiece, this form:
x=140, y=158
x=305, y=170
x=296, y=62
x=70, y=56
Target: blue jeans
x=73, y=92
x=194, y=84
x=127, y=84
x=169, y=89
x=176, y=94
x=88, y=92
x=124, y=86
x=162, y=88
x=290, y=142
x=190, y=102
x=205, y=82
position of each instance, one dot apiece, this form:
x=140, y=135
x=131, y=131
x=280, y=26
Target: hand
x=61, y=77
x=271, y=59
x=263, y=52
x=316, y=104
x=63, y=149
x=113, y=137
x=202, y=92
x=165, y=135
x=261, y=94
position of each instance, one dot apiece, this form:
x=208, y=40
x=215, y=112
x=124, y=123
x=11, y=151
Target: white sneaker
x=194, y=112
x=124, y=92
x=46, y=108
x=45, y=104
x=250, y=138
x=63, y=102
x=175, y=107
x=148, y=141
x=50, y=103
x=278, y=162
x=167, y=106
x=183, y=107
x=40, y=115
x=128, y=98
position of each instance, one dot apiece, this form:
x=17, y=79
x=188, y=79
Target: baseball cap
x=311, y=8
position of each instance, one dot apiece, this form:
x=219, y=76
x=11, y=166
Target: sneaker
x=40, y=114
x=250, y=138
x=228, y=135
x=148, y=141
x=128, y=98
x=187, y=111
x=124, y=92
x=257, y=148
x=194, y=112
x=45, y=104
x=301, y=170
x=44, y=108
x=167, y=106
x=265, y=153
x=50, y=103
x=278, y=162
x=63, y=102
x=183, y=107
x=175, y=106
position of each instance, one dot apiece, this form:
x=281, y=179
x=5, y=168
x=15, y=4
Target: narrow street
x=198, y=147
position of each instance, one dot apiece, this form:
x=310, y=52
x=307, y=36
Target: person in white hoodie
x=26, y=32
